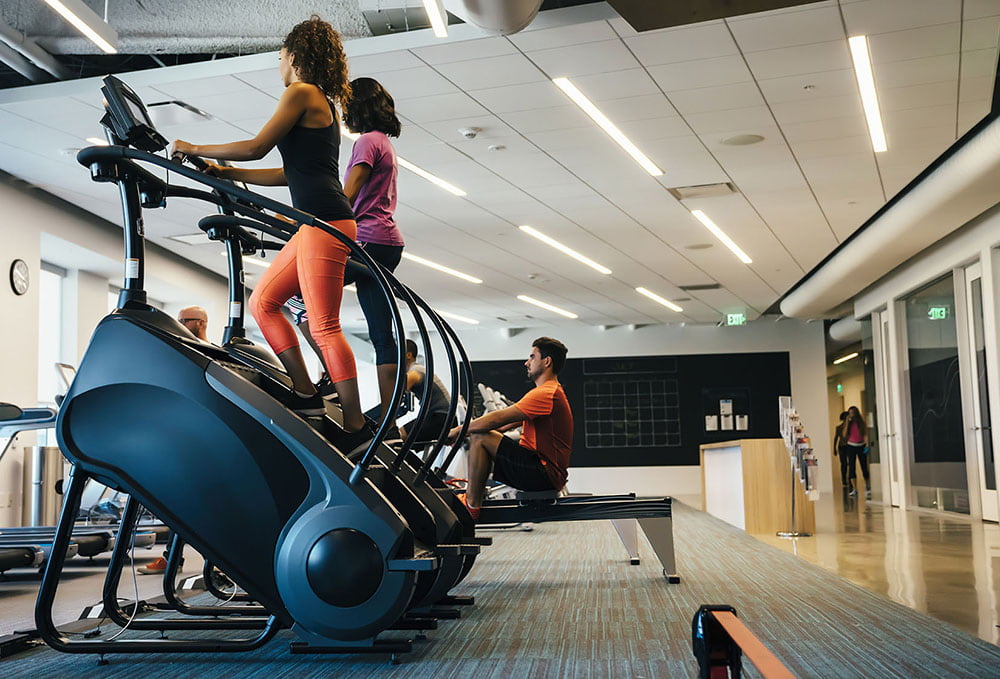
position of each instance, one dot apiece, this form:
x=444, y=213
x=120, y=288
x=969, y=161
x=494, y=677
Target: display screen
x=137, y=110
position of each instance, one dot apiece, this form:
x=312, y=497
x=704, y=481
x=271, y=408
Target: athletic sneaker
x=307, y=406
x=354, y=443
x=473, y=511
x=853, y=492
x=325, y=388
x=156, y=567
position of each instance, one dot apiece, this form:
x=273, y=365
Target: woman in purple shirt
x=370, y=186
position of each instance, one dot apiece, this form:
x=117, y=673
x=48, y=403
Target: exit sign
x=736, y=319
x=938, y=313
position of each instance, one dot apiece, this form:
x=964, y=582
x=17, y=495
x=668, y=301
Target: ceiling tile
x=974, y=9
x=980, y=33
x=520, y=97
x=703, y=99
x=819, y=108
x=755, y=33
x=687, y=43
x=734, y=120
x=575, y=60
x=883, y=16
x=915, y=96
x=638, y=108
x=440, y=107
x=577, y=34
x=823, y=56
x=806, y=86
x=628, y=83
x=464, y=50
x=697, y=74
x=202, y=86
x=544, y=119
x=914, y=43
x=415, y=83
x=916, y=71
x=510, y=69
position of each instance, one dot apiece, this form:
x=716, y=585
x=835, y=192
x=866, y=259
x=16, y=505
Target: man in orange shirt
x=540, y=460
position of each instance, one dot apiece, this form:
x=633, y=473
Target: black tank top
x=310, y=156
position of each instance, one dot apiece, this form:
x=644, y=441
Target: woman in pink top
x=370, y=186
x=854, y=434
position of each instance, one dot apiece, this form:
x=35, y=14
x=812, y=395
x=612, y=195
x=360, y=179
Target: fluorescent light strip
x=97, y=141
x=845, y=359
x=436, y=17
x=659, y=300
x=456, y=317
x=78, y=14
x=564, y=249
x=580, y=99
x=437, y=181
x=442, y=268
x=544, y=305
x=866, y=82
x=721, y=235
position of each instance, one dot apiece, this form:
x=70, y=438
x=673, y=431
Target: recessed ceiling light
x=442, y=268
x=866, y=83
x=659, y=300
x=698, y=246
x=457, y=317
x=546, y=305
x=721, y=235
x=566, y=250
x=742, y=139
x=581, y=100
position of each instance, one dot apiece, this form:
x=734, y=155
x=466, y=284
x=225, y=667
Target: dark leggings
x=862, y=457
x=373, y=302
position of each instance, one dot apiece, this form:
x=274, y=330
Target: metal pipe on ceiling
x=29, y=49
x=18, y=63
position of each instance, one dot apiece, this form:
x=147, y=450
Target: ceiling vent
x=702, y=191
x=699, y=287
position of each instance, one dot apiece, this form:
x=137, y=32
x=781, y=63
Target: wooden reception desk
x=748, y=483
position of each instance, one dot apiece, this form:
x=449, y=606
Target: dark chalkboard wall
x=650, y=410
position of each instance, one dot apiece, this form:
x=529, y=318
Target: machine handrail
x=250, y=204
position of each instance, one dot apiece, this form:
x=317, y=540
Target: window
x=50, y=331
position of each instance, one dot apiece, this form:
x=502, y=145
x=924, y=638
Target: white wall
x=804, y=342
x=35, y=226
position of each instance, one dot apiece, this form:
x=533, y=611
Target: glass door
x=937, y=445
x=982, y=435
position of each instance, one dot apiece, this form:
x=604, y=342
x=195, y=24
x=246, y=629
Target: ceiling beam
x=16, y=61
x=29, y=49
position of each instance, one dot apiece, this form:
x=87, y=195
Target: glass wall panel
x=869, y=408
x=937, y=463
x=982, y=386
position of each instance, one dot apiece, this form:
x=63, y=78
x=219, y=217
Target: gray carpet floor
x=562, y=601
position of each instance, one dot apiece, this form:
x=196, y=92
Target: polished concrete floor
x=940, y=564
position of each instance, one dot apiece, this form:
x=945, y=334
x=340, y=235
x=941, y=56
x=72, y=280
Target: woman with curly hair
x=305, y=129
x=370, y=185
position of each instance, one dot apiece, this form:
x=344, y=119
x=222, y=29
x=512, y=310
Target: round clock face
x=19, y=277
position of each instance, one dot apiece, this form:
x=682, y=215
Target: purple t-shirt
x=376, y=202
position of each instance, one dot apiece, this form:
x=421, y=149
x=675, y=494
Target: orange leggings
x=311, y=264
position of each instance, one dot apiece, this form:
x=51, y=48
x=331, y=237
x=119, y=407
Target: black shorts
x=520, y=467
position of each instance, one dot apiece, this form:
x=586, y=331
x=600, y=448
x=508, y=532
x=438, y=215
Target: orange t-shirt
x=548, y=429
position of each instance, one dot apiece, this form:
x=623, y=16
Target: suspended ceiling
x=678, y=93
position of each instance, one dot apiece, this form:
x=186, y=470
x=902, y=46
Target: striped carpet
x=562, y=601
